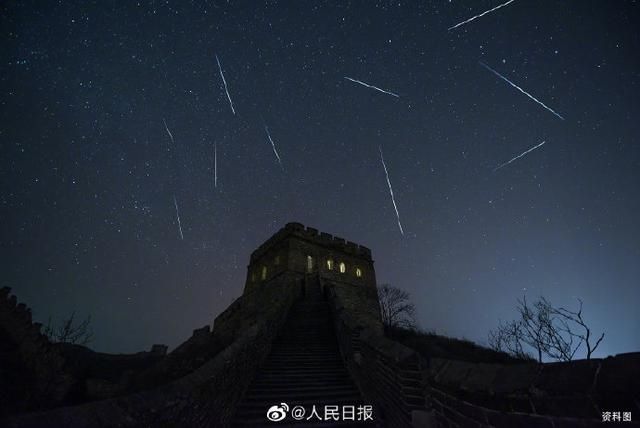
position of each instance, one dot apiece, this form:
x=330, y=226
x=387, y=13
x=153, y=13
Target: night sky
x=88, y=171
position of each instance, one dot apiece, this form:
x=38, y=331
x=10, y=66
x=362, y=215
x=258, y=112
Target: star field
x=110, y=111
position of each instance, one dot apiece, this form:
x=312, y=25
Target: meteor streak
x=178, y=217
x=519, y=88
x=372, y=87
x=518, y=157
x=224, y=82
x=480, y=15
x=168, y=132
x=273, y=146
x=386, y=173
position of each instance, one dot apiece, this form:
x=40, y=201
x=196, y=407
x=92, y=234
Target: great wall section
x=209, y=379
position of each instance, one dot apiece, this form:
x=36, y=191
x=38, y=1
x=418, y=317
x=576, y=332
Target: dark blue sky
x=88, y=172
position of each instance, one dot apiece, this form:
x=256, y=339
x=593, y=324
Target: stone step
x=305, y=352
x=304, y=368
x=258, y=409
x=309, y=383
x=303, y=363
x=303, y=389
x=345, y=392
x=304, y=339
x=305, y=356
x=313, y=423
x=310, y=364
x=295, y=375
x=292, y=351
x=299, y=376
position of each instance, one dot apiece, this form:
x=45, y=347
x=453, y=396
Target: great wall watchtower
x=296, y=252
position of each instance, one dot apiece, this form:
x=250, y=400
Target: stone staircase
x=304, y=369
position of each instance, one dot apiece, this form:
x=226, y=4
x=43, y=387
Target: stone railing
x=575, y=393
x=410, y=390
x=388, y=374
x=206, y=397
x=451, y=411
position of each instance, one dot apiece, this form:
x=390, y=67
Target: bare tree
x=577, y=319
x=397, y=310
x=547, y=330
x=507, y=338
x=70, y=331
x=533, y=326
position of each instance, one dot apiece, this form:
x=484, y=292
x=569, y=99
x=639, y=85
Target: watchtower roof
x=312, y=235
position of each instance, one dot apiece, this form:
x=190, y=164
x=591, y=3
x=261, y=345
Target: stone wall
x=309, y=233
x=572, y=393
x=179, y=403
x=388, y=374
x=99, y=375
x=361, y=303
x=287, y=250
x=266, y=298
x=301, y=248
x=36, y=374
x=31, y=369
x=285, y=258
x=408, y=389
x=208, y=395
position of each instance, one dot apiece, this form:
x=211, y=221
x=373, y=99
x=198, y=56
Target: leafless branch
x=549, y=331
x=70, y=331
x=396, y=307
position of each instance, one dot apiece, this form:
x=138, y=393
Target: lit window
x=263, y=276
x=277, y=260
x=343, y=267
x=253, y=277
x=330, y=264
x=309, y=263
x=358, y=272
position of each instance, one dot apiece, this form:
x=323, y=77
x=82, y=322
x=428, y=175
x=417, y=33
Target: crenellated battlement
x=298, y=250
x=16, y=319
x=316, y=237
x=41, y=365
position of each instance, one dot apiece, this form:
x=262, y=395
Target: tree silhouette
x=557, y=333
x=579, y=322
x=70, y=331
x=396, y=307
